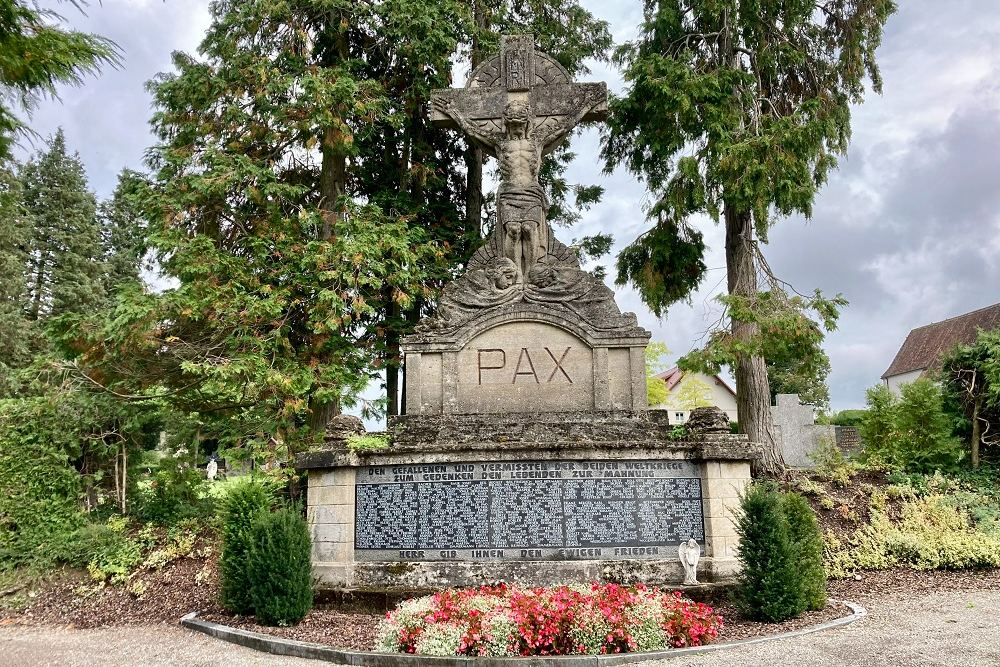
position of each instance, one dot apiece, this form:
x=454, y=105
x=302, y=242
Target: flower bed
x=507, y=621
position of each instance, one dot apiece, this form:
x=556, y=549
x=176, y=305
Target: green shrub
x=178, y=491
x=831, y=464
x=242, y=503
x=280, y=571
x=770, y=584
x=931, y=532
x=807, y=545
x=912, y=432
x=848, y=418
x=39, y=506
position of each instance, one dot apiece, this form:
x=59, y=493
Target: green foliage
x=65, y=268
x=911, y=432
x=831, y=463
x=805, y=376
x=738, y=110
x=177, y=490
x=847, y=418
x=243, y=502
x=771, y=585
x=39, y=505
x=971, y=378
x=787, y=334
x=693, y=393
x=367, y=443
x=37, y=56
x=760, y=94
x=656, y=389
x=930, y=532
x=282, y=286
x=18, y=336
x=124, y=231
x=665, y=264
x=807, y=545
x=280, y=572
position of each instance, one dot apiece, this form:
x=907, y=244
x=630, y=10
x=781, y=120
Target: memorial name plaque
x=526, y=510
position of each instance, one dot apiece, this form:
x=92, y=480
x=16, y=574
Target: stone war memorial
x=525, y=452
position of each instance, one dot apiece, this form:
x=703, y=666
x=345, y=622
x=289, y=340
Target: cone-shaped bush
x=243, y=502
x=280, y=571
x=770, y=586
x=807, y=545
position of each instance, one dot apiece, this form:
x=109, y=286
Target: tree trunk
x=753, y=393
x=976, y=431
x=332, y=187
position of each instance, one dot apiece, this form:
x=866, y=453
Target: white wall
x=718, y=395
x=894, y=382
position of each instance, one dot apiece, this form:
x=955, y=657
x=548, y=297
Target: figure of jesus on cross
x=519, y=107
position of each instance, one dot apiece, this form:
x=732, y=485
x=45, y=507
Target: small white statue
x=689, y=552
x=211, y=470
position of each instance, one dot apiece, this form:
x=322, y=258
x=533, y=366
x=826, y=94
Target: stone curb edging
x=290, y=647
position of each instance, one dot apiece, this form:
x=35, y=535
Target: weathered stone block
x=329, y=513
x=738, y=470
x=525, y=367
x=330, y=477
x=332, y=552
x=716, y=527
x=341, y=533
x=331, y=495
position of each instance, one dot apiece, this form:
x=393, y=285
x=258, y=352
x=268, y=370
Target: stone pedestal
x=561, y=497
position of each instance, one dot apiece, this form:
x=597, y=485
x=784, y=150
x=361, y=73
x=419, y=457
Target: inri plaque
x=526, y=510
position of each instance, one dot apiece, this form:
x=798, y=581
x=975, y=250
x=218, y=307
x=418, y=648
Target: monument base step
x=417, y=577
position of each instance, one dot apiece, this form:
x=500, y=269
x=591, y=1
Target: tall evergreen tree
x=402, y=163
x=36, y=56
x=738, y=109
x=280, y=271
x=65, y=264
x=123, y=228
x=15, y=347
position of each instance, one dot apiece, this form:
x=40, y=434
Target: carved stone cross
x=519, y=106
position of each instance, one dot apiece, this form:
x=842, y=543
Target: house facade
x=686, y=391
x=924, y=347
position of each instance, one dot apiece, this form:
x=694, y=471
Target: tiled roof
x=673, y=376
x=923, y=348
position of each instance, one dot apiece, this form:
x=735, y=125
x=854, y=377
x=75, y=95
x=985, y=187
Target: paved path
x=948, y=629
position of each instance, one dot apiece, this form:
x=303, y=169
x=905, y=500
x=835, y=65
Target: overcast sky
x=908, y=229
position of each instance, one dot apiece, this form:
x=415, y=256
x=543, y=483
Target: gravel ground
x=956, y=628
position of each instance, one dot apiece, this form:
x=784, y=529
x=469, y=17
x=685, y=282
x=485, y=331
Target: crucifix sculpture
x=519, y=106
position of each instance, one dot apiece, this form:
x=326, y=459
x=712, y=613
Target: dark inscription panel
x=527, y=510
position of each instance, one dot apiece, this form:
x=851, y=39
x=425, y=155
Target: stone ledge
x=546, y=435
x=421, y=576
x=259, y=641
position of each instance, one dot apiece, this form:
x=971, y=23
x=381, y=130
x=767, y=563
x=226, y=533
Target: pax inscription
x=495, y=359
x=525, y=367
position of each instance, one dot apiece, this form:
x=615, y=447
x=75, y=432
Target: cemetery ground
x=917, y=613
x=929, y=618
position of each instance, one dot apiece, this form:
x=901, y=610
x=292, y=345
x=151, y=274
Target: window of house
x=679, y=416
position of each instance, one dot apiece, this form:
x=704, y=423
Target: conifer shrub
x=771, y=586
x=912, y=432
x=280, y=570
x=807, y=546
x=243, y=502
